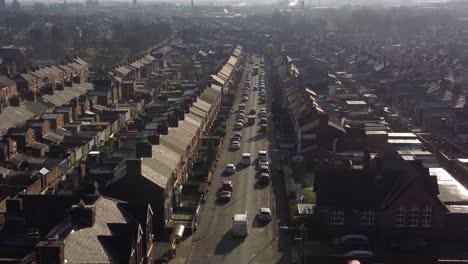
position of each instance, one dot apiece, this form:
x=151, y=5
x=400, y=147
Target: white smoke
x=292, y=2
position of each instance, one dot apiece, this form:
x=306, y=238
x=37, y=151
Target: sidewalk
x=183, y=252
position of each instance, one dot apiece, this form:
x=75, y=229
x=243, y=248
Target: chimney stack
x=50, y=252
x=153, y=139
x=83, y=215
x=133, y=167
x=144, y=150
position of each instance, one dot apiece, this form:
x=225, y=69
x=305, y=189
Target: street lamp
x=302, y=238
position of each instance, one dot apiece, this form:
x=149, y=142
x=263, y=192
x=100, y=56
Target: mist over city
x=233, y=131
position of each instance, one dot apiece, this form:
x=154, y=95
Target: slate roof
x=63, y=97
x=12, y=116
x=4, y=81
x=91, y=245
x=160, y=170
x=37, y=107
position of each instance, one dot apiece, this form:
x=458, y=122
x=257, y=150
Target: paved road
x=218, y=245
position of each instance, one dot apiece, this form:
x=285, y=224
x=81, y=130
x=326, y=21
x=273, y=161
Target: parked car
x=230, y=168
x=352, y=242
x=238, y=134
x=263, y=127
x=235, y=138
x=264, y=178
x=253, y=111
x=264, y=168
x=255, y=88
x=263, y=121
x=238, y=125
x=235, y=145
x=264, y=214
x=240, y=115
x=240, y=120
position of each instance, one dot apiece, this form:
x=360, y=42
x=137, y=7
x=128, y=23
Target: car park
x=246, y=159
x=238, y=125
x=230, y=168
x=264, y=214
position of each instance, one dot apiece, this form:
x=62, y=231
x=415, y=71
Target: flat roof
x=404, y=141
x=401, y=135
x=355, y=102
x=451, y=190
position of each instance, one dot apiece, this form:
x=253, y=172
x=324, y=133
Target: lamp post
x=302, y=238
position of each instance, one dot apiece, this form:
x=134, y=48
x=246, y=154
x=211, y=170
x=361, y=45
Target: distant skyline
x=249, y=2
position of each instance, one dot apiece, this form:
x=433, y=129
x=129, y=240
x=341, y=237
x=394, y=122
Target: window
x=367, y=216
x=413, y=219
x=400, y=216
x=336, y=216
x=426, y=218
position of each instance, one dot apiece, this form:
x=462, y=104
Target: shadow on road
x=256, y=138
x=221, y=202
x=227, y=244
x=240, y=166
x=260, y=185
x=258, y=224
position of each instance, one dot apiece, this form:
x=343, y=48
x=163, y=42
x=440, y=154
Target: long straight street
x=216, y=244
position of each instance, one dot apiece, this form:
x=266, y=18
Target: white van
x=246, y=159
x=240, y=225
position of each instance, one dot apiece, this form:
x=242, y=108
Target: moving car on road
x=226, y=186
x=240, y=225
x=230, y=168
x=251, y=119
x=264, y=214
x=224, y=195
x=246, y=159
